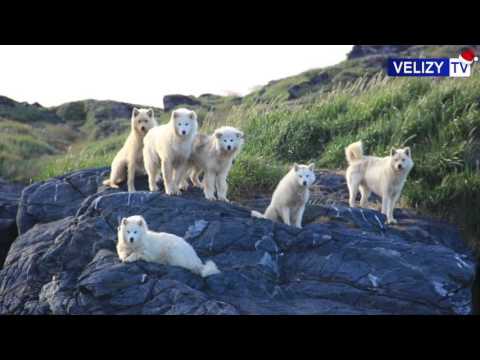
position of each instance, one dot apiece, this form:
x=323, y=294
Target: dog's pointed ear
x=393, y=151
x=408, y=151
x=311, y=166
x=175, y=114
x=295, y=167
x=150, y=113
x=135, y=112
x=141, y=221
x=124, y=221
x=240, y=135
x=192, y=115
x=218, y=134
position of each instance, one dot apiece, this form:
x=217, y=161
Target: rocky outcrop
x=101, y=118
x=317, y=81
x=476, y=291
x=359, y=51
x=172, y=101
x=9, y=197
x=344, y=261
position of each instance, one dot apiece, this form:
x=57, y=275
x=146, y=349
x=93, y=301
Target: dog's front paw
x=210, y=197
x=224, y=199
x=392, y=222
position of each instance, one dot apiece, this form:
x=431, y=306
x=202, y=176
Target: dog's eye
x=135, y=232
x=224, y=141
x=128, y=231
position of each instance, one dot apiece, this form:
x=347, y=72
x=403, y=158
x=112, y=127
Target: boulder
x=359, y=51
x=172, y=101
x=9, y=197
x=476, y=291
x=343, y=261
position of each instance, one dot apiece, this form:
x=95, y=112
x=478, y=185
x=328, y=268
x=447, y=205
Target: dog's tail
x=109, y=182
x=257, y=214
x=354, y=152
x=209, y=269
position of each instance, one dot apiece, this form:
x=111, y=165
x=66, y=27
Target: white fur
x=383, y=176
x=213, y=155
x=170, y=144
x=130, y=157
x=290, y=196
x=137, y=242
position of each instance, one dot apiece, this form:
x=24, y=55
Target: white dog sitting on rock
x=290, y=196
x=129, y=159
x=137, y=242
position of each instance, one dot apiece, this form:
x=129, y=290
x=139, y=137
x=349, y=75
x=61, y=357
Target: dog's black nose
x=304, y=183
x=229, y=147
x=131, y=239
x=184, y=132
x=143, y=128
x=400, y=166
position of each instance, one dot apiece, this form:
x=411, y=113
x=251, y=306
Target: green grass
x=82, y=156
x=439, y=119
x=28, y=113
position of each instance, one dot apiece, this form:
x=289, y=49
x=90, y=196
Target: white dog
x=384, y=176
x=290, y=196
x=137, y=242
x=170, y=144
x=213, y=155
x=130, y=157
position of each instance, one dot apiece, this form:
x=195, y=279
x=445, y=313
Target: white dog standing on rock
x=290, y=196
x=213, y=155
x=170, y=144
x=384, y=176
x=137, y=242
x=130, y=157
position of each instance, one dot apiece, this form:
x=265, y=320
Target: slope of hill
x=364, y=61
x=311, y=116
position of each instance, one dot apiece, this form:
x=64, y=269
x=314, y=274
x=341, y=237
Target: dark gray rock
x=57, y=198
x=7, y=102
x=172, y=101
x=9, y=198
x=344, y=261
x=476, y=291
x=316, y=82
x=359, y=51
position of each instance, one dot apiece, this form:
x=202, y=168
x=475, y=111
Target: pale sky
x=52, y=75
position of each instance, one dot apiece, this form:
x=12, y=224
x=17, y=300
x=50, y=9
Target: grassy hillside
x=438, y=118
x=318, y=81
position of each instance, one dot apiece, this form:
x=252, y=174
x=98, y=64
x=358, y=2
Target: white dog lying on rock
x=137, y=242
